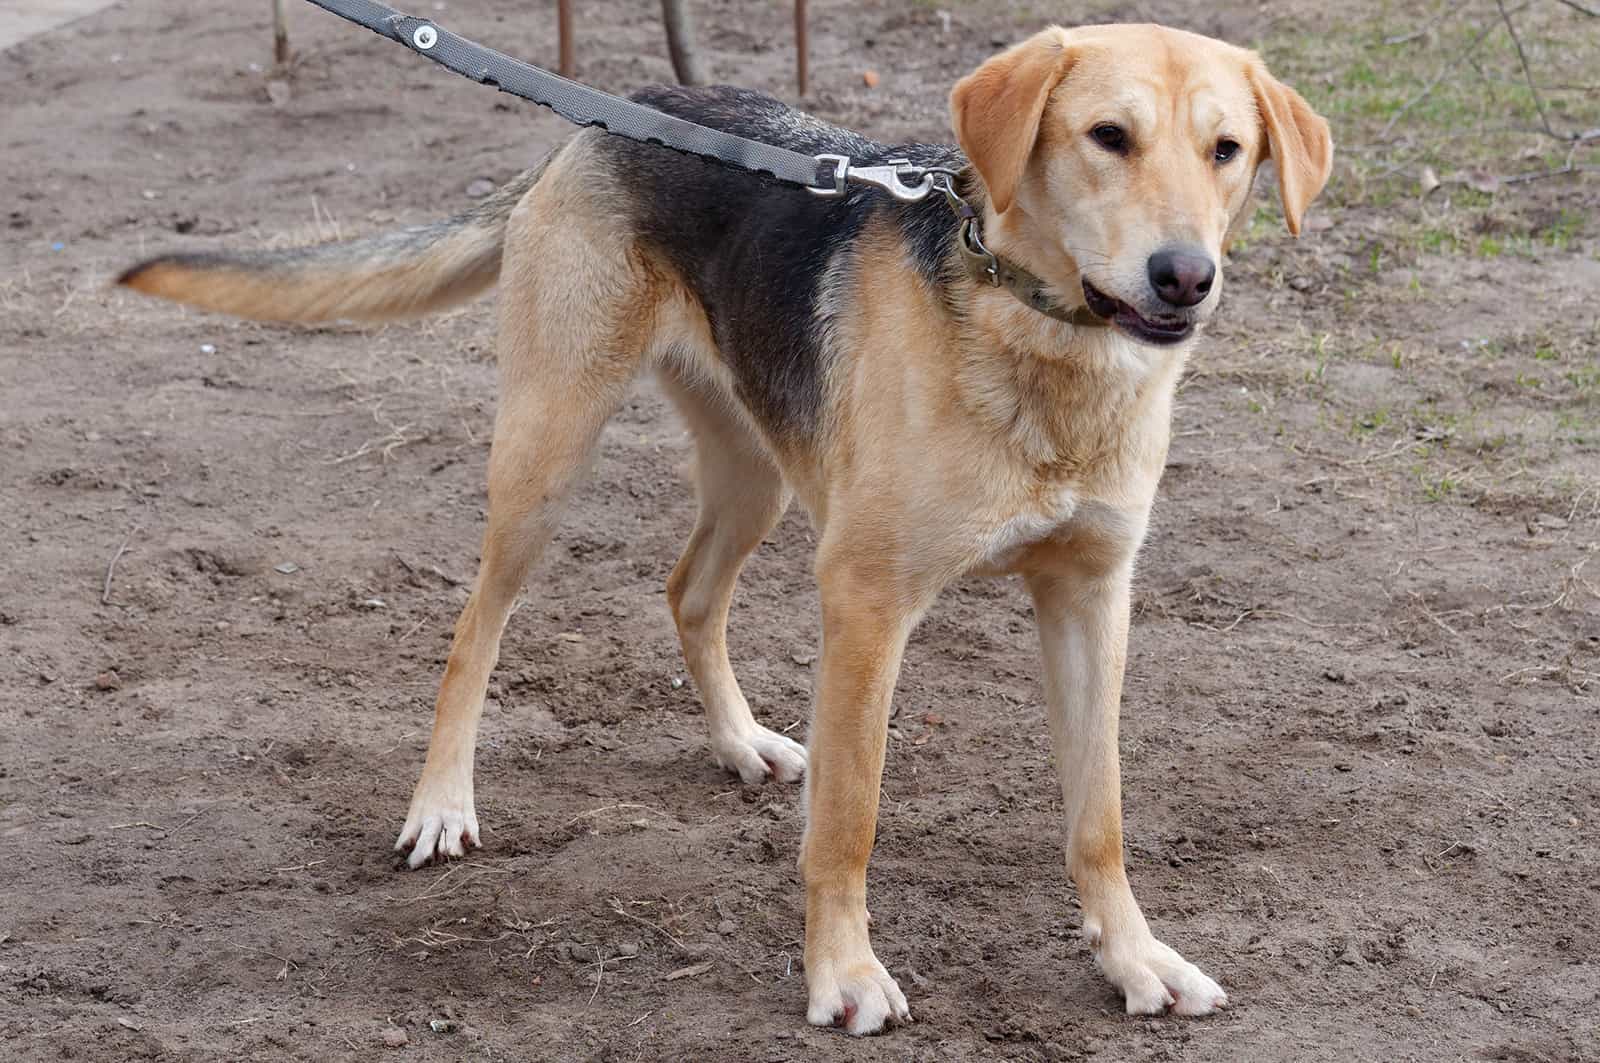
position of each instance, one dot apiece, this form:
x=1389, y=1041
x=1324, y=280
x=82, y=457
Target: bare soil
x=1361, y=741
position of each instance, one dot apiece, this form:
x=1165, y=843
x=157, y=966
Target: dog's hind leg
x=575, y=321
x=742, y=495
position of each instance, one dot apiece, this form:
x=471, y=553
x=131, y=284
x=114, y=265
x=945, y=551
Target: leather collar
x=986, y=267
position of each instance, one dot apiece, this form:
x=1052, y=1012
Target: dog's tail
x=376, y=278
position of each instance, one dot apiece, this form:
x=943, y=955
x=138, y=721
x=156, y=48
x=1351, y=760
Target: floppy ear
x=996, y=109
x=1298, y=141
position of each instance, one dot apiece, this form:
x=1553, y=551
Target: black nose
x=1182, y=276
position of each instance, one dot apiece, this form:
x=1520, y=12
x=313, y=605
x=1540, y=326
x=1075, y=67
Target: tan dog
x=842, y=351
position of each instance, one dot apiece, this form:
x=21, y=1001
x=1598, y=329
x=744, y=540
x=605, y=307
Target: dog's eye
x=1111, y=137
x=1226, y=149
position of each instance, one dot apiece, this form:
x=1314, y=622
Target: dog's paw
x=759, y=754
x=1154, y=979
x=861, y=997
x=442, y=823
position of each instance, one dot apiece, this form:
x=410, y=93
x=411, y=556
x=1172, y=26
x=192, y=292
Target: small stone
x=803, y=659
x=1301, y=283
x=287, y=568
x=208, y=348
x=108, y=680
x=394, y=1037
x=480, y=187
x=1352, y=958
x=726, y=927
x=1413, y=1011
x=869, y=78
x=374, y=603
x=278, y=92
x=628, y=948
x=677, y=683
x=571, y=950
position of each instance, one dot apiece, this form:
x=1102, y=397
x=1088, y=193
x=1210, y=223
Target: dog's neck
x=1062, y=395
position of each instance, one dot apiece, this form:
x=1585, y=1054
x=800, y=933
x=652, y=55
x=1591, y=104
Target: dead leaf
x=1429, y=180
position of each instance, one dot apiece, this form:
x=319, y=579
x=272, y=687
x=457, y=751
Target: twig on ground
x=1230, y=627
x=600, y=972
x=611, y=808
x=190, y=820
x=616, y=906
x=111, y=566
x=1540, y=175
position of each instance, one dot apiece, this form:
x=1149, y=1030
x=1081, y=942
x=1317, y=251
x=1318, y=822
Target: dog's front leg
x=864, y=631
x=1083, y=629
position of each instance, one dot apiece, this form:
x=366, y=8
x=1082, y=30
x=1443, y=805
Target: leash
x=827, y=176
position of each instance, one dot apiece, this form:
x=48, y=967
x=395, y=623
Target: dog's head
x=1119, y=161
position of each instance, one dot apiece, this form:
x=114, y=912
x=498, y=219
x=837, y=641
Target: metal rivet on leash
x=424, y=37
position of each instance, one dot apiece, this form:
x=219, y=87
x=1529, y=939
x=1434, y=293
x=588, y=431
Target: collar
x=986, y=267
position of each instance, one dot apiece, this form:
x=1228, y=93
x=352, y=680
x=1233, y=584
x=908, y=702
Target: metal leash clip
x=980, y=260
x=892, y=177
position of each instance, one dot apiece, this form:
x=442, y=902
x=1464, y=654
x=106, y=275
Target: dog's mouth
x=1161, y=331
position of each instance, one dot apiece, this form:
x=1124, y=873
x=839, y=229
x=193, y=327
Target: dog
x=933, y=422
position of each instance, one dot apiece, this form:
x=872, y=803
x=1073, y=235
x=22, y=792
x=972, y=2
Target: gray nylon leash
x=822, y=175
x=581, y=104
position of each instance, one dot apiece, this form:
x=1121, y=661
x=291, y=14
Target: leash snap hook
x=972, y=247
x=892, y=177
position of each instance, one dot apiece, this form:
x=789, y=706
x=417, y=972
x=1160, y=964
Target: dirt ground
x=1361, y=740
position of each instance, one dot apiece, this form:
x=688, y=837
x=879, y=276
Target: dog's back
x=761, y=256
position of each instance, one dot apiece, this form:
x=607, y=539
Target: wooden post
x=564, y=31
x=680, y=43
x=280, y=35
x=802, y=45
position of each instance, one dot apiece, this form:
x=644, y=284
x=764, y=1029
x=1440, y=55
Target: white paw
x=1154, y=978
x=860, y=996
x=758, y=754
x=442, y=822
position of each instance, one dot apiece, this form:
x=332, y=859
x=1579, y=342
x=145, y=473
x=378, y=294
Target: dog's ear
x=996, y=109
x=1298, y=141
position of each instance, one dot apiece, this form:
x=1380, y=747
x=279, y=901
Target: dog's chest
x=1045, y=516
